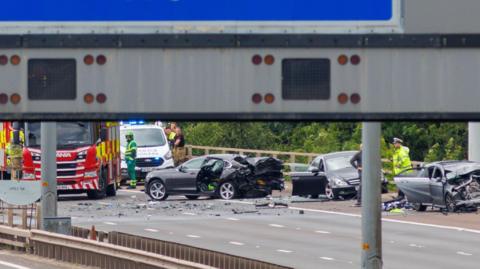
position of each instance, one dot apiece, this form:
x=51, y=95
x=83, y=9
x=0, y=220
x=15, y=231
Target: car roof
x=227, y=157
x=453, y=165
x=338, y=154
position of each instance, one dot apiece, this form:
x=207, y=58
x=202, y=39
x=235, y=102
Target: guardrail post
x=24, y=218
x=38, y=216
x=10, y=216
x=292, y=158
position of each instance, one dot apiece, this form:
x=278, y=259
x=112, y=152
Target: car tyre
x=157, y=190
x=450, y=203
x=192, y=197
x=102, y=188
x=329, y=192
x=419, y=207
x=227, y=190
x=112, y=189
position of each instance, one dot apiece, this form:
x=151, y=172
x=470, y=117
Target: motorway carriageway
x=316, y=239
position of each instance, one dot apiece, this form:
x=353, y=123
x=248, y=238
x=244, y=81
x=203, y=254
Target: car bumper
x=343, y=191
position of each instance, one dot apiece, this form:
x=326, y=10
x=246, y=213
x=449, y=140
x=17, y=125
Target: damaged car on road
x=331, y=175
x=451, y=185
x=224, y=176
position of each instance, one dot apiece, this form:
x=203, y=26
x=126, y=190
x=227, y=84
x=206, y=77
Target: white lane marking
x=109, y=223
x=104, y=203
x=459, y=229
x=415, y=246
x=284, y=251
x=464, y=253
x=189, y=214
x=12, y=265
x=392, y=242
x=236, y=243
x=327, y=258
x=193, y=236
x=298, y=228
x=151, y=230
x=233, y=219
x=322, y=232
x=257, y=246
x=133, y=191
x=276, y=225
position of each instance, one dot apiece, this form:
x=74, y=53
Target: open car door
x=210, y=174
x=415, y=184
x=308, y=183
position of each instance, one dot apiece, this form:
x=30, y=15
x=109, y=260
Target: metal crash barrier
x=119, y=250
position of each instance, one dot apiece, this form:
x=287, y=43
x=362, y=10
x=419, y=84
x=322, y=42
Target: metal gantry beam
x=371, y=197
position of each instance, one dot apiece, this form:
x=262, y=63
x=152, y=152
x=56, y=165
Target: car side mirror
x=181, y=168
x=315, y=170
x=103, y=134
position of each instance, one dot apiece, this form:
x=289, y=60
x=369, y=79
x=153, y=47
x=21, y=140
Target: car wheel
x=192, y=197
x=329, y=192
x=157, y=190
x=419, y=207
x=227, y=190
x=314, y=196
x=450, y=203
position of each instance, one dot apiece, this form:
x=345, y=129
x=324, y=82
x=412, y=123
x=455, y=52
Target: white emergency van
x=153, y=151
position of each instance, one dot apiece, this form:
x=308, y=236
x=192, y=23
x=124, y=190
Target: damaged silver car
x=452, y=185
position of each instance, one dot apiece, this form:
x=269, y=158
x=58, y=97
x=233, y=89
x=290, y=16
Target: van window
x=144, y=137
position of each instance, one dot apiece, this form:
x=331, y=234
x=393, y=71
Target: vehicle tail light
x=3, y=98
x=3, y=59
x=257, y=59
x=88, y=59
x=355, y=59
x=101, y=59
x=15, y=60
x=269, y=60
x=343, y=59
x=88, y=98
x=101, y=98
x=269, y=98
x=342, y=98
x=355, y=98
x=15, y=98
x=256, y=98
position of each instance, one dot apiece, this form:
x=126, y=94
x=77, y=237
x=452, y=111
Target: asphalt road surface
x=315, y=239
x=16, y=260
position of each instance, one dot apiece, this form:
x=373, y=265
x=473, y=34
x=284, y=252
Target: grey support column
x=371, y=197
x=49, y=171
x=474, y=141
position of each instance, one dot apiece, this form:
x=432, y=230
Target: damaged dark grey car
x=449, y=184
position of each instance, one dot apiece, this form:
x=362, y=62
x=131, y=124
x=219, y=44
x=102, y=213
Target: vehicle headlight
x=82, y=155
x=168, y=155
x=36, y=156
x=28, y=176
x=91, y=174
x=339, y=182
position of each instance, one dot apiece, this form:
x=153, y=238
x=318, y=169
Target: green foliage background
x=427, y=141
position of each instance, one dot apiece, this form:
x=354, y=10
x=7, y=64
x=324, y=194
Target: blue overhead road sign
x=194, y=10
